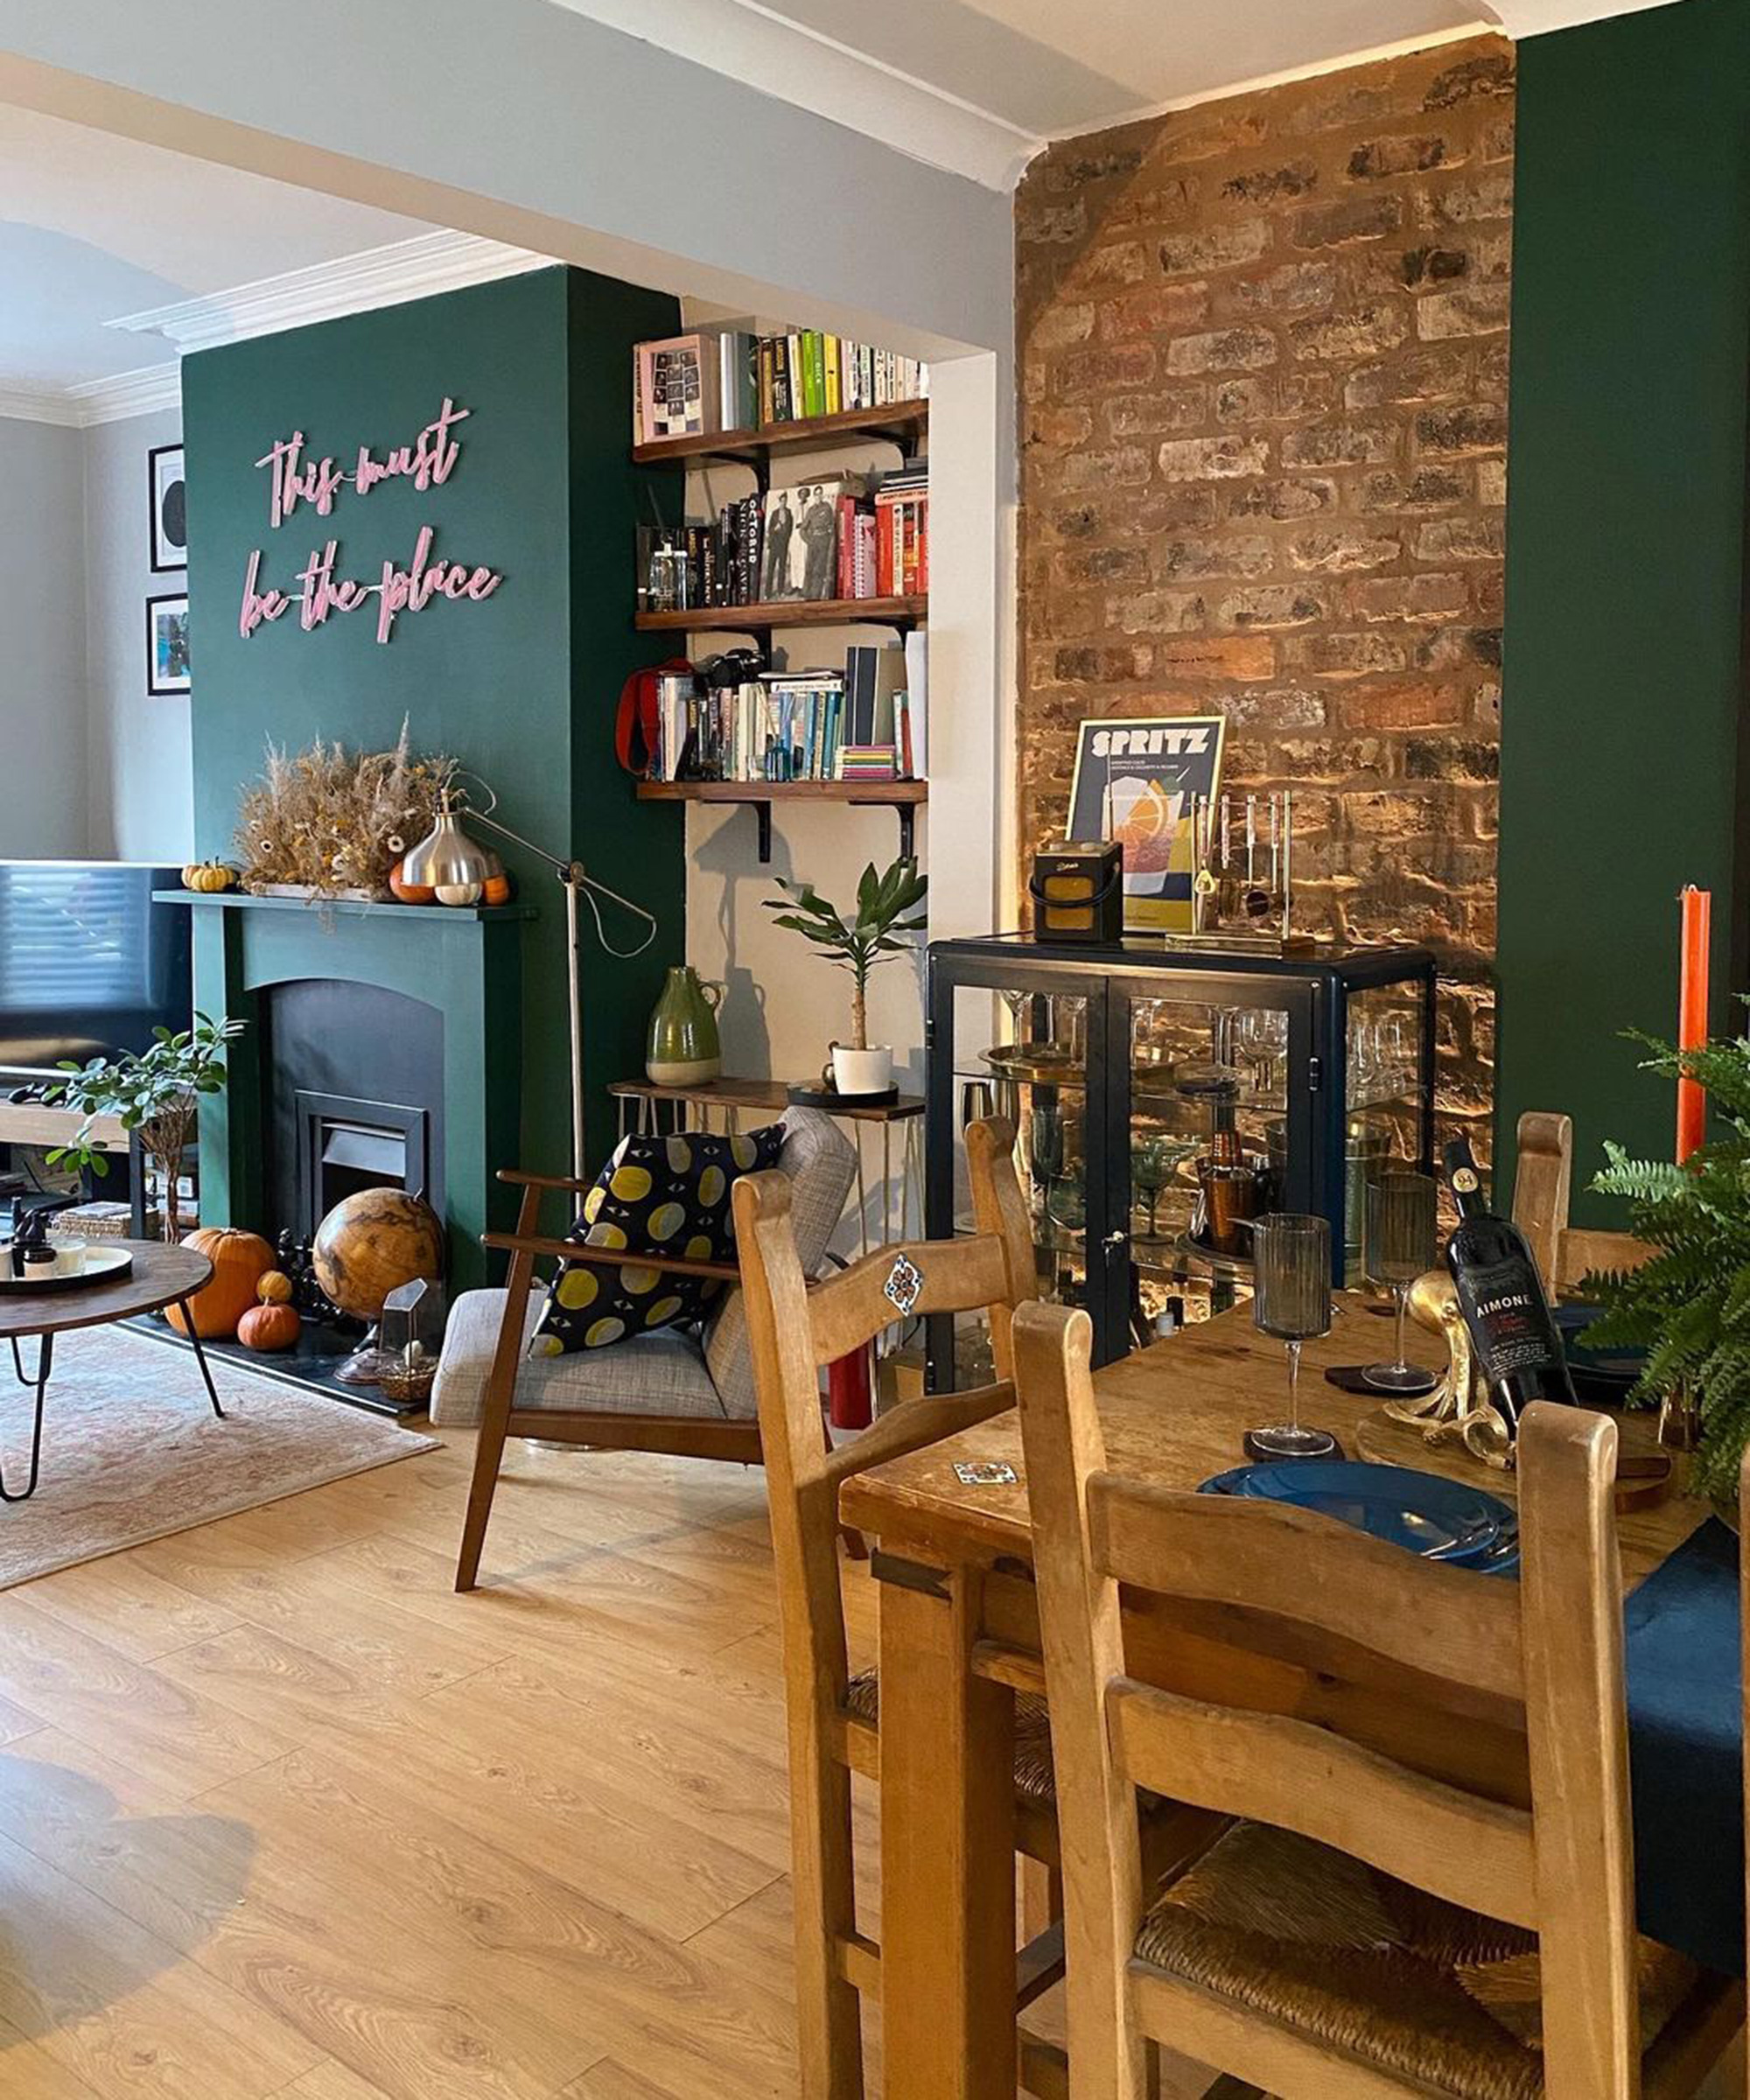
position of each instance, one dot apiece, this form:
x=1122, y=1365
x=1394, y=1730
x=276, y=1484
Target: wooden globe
x=373, y=1242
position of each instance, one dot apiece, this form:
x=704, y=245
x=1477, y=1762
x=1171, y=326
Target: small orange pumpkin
x=409, y=892
x=268, y=1327
x=496, y=889
x=275, y=1288
x=239, y=1261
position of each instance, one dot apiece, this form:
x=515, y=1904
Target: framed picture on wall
x=167, y=646
x=169, y=509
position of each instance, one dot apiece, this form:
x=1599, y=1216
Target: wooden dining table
x=959, y=1637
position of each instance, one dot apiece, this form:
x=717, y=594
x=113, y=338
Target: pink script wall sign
x=295, y=480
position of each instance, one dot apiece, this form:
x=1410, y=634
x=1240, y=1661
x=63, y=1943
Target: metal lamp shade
x=457, y=867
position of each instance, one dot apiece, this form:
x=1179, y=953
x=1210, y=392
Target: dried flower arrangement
x=330, y=822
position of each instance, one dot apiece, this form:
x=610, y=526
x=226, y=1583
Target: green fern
x=1689, y=1306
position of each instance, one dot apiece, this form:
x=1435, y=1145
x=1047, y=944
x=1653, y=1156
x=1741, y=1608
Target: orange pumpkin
x=269, y=1327
x=496, y=890
x=275, y=1288
x=239, y=1261
x=409, y=892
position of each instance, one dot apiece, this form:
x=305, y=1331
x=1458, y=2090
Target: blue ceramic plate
x=1423, y=1512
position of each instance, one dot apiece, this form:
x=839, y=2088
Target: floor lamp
x=458, y=868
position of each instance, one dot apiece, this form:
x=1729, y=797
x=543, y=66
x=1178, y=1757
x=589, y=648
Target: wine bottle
x=1503, y=1298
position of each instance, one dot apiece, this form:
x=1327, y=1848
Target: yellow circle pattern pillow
x=655, y=1196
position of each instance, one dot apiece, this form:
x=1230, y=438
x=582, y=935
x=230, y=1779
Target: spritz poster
x=1135, y=781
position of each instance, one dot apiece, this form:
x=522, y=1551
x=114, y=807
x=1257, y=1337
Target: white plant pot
x=862, y=1071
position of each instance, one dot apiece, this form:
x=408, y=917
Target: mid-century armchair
x=684, y=1392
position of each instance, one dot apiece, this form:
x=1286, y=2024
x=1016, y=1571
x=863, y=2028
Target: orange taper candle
x=1692, y=1016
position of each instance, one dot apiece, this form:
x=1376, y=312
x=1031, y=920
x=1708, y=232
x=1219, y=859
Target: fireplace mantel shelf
x=349, y=907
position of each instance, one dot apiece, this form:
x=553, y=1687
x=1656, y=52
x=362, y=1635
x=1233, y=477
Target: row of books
x=693, y=386
x=868, y=721
x=807, y=373
x=816, y=541
x=902, y=531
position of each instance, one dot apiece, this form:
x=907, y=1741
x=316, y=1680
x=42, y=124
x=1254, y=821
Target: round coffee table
x=161, y=1275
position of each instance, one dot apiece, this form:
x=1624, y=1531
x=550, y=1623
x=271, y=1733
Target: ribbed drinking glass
x=1402, y=1231
x=1292, y=1300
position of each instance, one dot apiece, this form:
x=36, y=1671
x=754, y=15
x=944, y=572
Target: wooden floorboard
x=286, y=1819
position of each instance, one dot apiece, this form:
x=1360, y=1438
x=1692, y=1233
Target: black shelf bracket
x=907, y=813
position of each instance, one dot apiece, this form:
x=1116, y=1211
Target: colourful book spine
x=833, y=390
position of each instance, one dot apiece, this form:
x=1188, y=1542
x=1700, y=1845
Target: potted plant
x=1689, y=1305
x=857, y=944
x=155, y=1092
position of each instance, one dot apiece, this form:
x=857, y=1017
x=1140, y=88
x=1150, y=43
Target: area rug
x=131, y=1450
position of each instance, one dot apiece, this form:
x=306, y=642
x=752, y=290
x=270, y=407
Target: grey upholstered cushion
x=668, y=1372
x=819, y=1160
x=659, y=1374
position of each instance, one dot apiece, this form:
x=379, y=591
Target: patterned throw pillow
x=655, y=1195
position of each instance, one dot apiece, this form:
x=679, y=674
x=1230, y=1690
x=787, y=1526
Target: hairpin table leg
x=199, y=1356
x=45, y=1364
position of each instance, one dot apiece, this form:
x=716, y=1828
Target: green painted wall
x=1625, y=553
x=520, y=687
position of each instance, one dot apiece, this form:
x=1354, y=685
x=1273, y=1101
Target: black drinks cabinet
x=1161, y=1096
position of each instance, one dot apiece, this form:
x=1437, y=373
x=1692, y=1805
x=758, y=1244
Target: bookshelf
x=903, y=797
x=901, y=422
x=910, y=612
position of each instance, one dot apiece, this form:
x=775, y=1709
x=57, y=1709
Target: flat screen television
x=90, y=965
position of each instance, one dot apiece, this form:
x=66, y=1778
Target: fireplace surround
x=384, y=1045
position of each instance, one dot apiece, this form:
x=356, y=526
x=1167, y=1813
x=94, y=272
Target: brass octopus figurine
x=1459, y=1410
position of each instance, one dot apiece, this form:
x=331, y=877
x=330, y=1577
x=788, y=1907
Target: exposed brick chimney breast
x=1263, y=365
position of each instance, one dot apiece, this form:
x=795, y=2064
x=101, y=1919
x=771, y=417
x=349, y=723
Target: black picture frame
x=166, y=509
x=168, y=674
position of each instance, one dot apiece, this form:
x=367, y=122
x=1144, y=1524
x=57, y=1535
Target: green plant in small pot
x=1689, y=1306
x=156, y=1092
x=887, y=909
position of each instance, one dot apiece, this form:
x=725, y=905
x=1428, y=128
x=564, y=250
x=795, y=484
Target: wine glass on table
x=1401, y=1215
x=1292, y=1300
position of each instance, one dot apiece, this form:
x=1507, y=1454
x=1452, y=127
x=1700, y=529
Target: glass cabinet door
x=1209, y=1135
x=1023, y=1049
x=1386, y=1088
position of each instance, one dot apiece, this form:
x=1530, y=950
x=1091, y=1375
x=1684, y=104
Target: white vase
x=862, y=1071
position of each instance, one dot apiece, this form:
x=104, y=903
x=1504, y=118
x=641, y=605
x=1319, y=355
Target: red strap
x=634, y=733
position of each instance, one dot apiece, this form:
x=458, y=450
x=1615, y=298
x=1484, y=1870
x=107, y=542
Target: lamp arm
x=570, y=873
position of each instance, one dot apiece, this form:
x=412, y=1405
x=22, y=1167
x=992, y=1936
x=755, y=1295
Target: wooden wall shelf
x=903, y=796
x=900, y=422
x=910, y=612
x=766, y=1096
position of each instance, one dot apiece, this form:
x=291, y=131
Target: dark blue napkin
x=1685, y=1751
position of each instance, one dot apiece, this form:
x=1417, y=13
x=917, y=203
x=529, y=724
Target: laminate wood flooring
x=282, y=1818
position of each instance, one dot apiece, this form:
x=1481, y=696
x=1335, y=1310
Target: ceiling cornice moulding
x=379, y=276
x=127, y=393
x=22, y=404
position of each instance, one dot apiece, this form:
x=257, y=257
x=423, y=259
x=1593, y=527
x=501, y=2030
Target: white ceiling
x=978, y=85
x=94, y=226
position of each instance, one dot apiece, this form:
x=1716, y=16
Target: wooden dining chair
x=1543, y=1190
x=1363, y=1928
x=833, y=1716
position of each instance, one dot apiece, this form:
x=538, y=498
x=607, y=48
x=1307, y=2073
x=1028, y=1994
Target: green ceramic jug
x=682, y=1048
